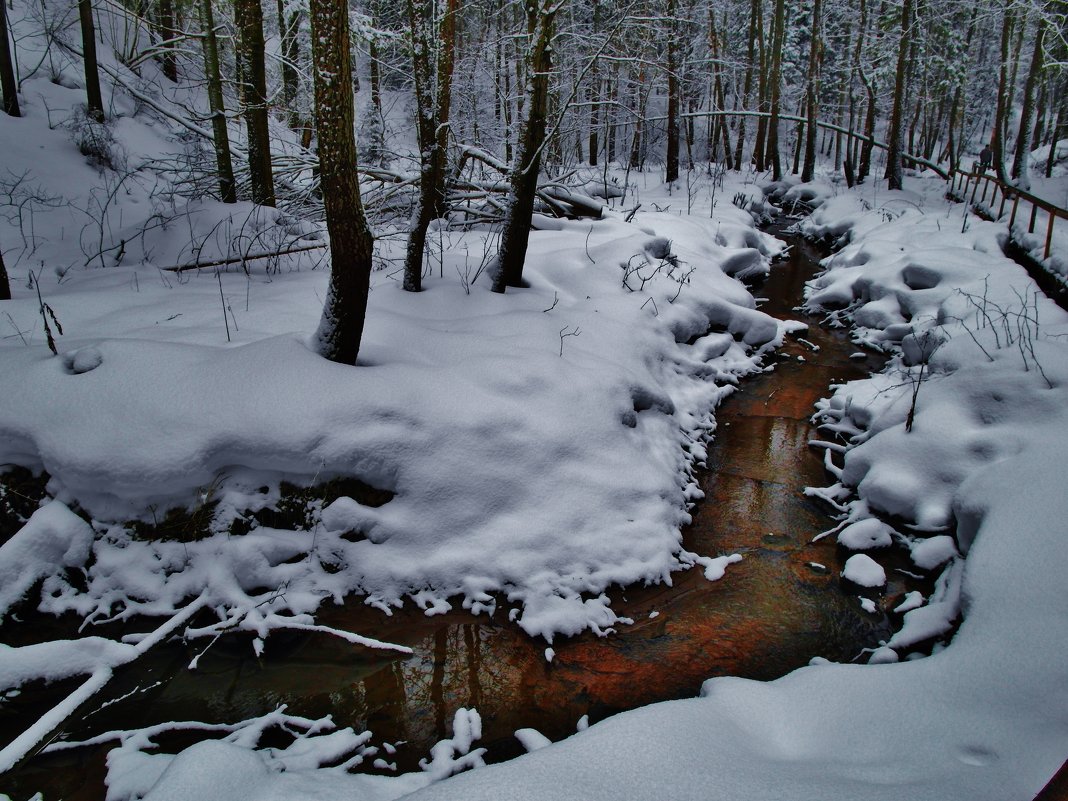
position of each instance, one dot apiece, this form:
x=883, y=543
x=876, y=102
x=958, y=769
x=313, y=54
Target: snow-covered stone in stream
x=883, y=656
x=934, y=551
x=54, y=538
x=532, y=739
x=864, y=571
x=912, y=600
x=865, y=534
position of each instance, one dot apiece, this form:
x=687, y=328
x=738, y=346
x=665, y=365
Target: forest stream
x=772, y=612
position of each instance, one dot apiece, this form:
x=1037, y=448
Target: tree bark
x=997, y=140
x=524, y=179
x=94, y=103
x=812, y=93
x=672, y=156
x=433, y=106
x=249, y=20
x=5, y=285
x=1021, y=161
x=778, y=37
x=166, y=26
x=8, y=83
x=893, y=156
x=351, y=243
x=220, y=133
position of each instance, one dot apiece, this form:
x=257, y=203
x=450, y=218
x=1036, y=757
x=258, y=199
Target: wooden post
x=1012, y=218
x=1034, y=217
x=1049, y=234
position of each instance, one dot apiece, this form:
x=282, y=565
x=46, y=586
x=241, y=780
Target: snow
x=865, y=534
x=524, y=468
x=864, y=571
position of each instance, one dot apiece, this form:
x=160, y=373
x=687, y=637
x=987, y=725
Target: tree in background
x=249, y=18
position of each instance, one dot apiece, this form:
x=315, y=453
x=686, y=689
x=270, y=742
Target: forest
x=611, y=399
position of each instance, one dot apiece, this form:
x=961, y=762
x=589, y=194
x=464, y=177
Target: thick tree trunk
x=220, y=134
x=249, y=15
x=524, y=179
x=351, y=244
x=8, y=83
x=94, y=103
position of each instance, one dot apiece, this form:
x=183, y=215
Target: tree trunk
x=433, y=109
x=166, y=26
x=94, y=103
x=1020, y=163
x=249, y=20
x=351, y=244
x=5, y=284
x=671, y=162
x=997, y=140
x=747, y=88
x=288, y=25
x=220, y=134
x=8, y=83
x=894, y=144
x=524, y=179
x=812, y=93
x=778, y=37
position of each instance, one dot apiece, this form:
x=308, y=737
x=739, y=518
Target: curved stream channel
x=771, y=613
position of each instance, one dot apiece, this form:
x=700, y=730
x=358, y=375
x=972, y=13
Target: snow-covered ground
x=535, y=449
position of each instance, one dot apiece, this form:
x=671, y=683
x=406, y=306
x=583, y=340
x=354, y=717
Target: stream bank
x=774, y=611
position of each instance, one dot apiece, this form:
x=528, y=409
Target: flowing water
x=772, y=612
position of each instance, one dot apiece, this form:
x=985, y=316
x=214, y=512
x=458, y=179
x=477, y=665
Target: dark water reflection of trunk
x=771, y=613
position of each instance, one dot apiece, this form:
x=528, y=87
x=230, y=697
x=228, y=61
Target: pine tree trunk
x=249, y=20
x=351, y=243
x=515, y=235
x=94, y=102
x=8, y=83
x=220, y=134
x=747, y=87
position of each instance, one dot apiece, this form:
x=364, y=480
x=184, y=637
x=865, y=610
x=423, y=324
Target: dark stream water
x=771, y=613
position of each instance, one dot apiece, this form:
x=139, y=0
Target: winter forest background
x=320, y=320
